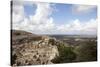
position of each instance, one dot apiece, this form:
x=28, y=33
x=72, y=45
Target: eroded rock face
x=33, y=52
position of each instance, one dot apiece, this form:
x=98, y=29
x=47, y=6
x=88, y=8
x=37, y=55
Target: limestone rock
x=32, y=50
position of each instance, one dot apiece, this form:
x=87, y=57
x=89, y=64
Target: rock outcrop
x=32, y=49
x=28, y=49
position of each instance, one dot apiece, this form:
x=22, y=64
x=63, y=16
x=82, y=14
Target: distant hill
x=19, y=36
x=73, y=36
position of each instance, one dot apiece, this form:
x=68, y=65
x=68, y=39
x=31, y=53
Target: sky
x=54, y=18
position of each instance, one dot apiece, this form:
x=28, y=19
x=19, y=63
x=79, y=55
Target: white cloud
x=43, y=23
x=82, y=8
x=17, y=14
x=78, y=27
x=42, y=13
x=90, y=27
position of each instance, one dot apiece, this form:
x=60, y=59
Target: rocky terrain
x=31, y=49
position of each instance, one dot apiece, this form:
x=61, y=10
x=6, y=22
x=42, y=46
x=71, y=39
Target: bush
x=66, y=54
x=87, y=51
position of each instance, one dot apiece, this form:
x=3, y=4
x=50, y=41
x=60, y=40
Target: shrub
x=87, y=51
x=66, y=54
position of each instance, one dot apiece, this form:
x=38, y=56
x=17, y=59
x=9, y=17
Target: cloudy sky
x=54, y=18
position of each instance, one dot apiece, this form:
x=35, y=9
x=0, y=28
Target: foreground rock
x=31, y=49
x=28, y=49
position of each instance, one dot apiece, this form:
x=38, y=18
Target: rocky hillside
x=32, y=49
